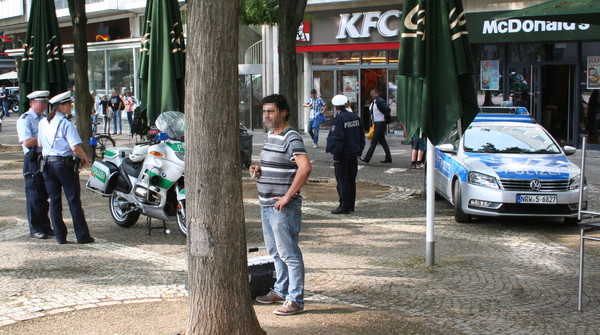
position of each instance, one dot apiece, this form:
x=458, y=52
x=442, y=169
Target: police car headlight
x=574, y=183
x=481, y=179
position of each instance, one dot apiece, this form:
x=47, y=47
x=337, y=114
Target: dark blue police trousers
x=58, y=174
x=36, y=199
x=345, y=175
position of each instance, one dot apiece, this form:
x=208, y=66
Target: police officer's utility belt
x=64, y=159
x=70, y=161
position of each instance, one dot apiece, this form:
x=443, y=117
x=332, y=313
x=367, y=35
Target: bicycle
x=99, y=143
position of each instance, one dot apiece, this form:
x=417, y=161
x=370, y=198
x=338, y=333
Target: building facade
x=547, y=65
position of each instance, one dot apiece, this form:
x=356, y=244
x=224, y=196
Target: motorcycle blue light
x=162, y=136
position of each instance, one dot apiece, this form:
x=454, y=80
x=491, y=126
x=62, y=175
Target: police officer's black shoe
x=340, y=210
x=41, y=236
x=90, y=240
x=386, y=161
x=50, y=232
x=362, y=160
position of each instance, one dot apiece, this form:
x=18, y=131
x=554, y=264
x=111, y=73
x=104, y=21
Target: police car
x=506, y=164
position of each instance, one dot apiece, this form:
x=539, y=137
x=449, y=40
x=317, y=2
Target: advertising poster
x=351, y=87
x=593, y=72
x=490, y=75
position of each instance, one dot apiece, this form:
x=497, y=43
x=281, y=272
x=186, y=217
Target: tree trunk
x=219, y=296
x=83, y=99
x=291, y=13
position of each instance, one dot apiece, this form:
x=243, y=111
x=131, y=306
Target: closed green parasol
x=436, y=84
x=162, y=59
x=43, y=66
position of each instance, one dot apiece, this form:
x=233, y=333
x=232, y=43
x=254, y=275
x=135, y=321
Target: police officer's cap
x=61, y=98
x=38, y=95
x=339, y=100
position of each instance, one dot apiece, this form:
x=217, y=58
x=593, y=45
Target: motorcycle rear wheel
x=181, y=223
x=121, y=219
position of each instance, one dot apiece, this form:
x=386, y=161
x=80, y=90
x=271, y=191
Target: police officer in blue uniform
x=345, y=142
x=61, y=147
x=35, y=190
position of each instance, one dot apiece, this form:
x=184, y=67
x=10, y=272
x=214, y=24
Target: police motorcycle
x=147, y=179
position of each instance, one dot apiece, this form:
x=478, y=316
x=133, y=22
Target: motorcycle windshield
x=172, y=123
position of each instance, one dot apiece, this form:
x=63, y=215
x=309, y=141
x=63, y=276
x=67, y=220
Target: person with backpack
x=380, y=114
x=117, y=105
x=129, y=107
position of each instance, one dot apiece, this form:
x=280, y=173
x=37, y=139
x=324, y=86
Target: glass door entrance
x=547, y=92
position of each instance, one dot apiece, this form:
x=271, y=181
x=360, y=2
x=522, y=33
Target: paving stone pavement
x=493, y=277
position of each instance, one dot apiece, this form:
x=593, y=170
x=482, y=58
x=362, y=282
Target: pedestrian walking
x=380, y=115
x=317, y=108
x=117, y=105
x=283, y=170
x=61, y=147
x=4, y=100
x=106, y=113
x=345, y=142
x=36, y=197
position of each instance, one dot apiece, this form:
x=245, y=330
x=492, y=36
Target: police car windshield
x=514, y=138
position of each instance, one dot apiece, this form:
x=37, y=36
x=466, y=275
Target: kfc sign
x=360, y=25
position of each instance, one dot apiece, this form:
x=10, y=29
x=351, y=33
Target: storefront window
x=120, y=69
x=348, y=58
x=589, y=101
x=324, y=58
x=374, y=57
x=251, y=95
x=395, y=126
x=96, y=72
x=393, y=56
x=348, y=85
x=488, y=74
x=323, y=83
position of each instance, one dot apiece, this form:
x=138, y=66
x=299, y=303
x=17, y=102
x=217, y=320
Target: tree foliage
x=258, y=12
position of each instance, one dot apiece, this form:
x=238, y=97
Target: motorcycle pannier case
x=116, y=155
x=101, y=180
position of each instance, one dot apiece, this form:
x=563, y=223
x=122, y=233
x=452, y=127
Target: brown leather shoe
x=288, y=308
x=270, y=298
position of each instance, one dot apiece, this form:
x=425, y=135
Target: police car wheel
x=181, y=222
x=459, y=215
x=118, y=215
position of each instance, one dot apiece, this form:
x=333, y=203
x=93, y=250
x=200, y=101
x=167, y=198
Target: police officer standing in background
x=35, y=191
x=61, y=147
x=345, y=142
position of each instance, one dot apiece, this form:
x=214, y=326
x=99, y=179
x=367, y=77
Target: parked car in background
x=507, y=165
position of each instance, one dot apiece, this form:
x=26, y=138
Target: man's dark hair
x=313, y=91
x=279, y=101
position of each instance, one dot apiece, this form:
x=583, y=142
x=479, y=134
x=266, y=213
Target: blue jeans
x=5, y=106
x=94, y=125
x=314, y=135
x=117, y=124
x=280, y=231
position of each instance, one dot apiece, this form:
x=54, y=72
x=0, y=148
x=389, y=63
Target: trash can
x=245, y=147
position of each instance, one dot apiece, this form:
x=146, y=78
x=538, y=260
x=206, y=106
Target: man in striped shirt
x=283, y=170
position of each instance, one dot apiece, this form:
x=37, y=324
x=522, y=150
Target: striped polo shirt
x=278, y=166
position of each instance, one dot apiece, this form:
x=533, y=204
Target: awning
x=578, y=11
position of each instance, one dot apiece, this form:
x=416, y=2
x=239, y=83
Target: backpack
x=140, y=122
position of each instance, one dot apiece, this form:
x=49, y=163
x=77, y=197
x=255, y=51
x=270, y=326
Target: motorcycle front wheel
x=123, y=218
x=181, y=218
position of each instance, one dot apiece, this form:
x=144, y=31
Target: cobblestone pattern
x=488, y=278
